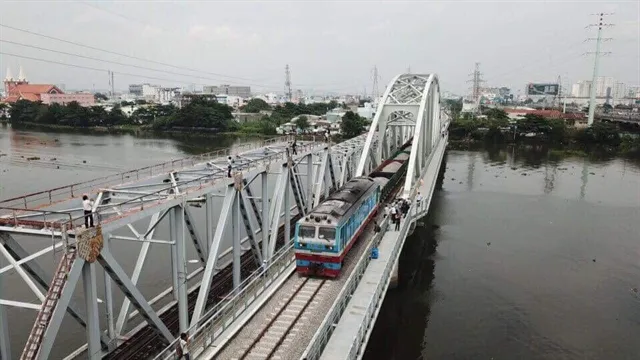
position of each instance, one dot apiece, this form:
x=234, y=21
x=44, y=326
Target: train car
x=392, y=170
x=324, y=237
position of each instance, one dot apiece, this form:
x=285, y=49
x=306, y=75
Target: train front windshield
x=308, y=232
x=328, y=234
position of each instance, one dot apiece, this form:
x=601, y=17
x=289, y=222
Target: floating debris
x=33, y=158
x=592, y=173
x=524, y=174
x=84, y=161
x=489, y=243
x=53, y=159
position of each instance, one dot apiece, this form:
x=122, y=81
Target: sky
x=330, y=46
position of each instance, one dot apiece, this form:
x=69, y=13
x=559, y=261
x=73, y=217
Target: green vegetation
x=201, y=114
x=255, y=106
x=494, y=127
x=72, y=114
x=352, y=125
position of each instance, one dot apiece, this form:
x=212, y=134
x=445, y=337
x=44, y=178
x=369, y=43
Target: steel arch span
x=409, y=108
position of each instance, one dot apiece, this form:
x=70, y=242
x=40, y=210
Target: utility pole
x=596, y=63
x=375, y=93
x=109, y=78
x=287, y=82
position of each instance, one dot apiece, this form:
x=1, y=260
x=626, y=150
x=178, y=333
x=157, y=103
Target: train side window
x=307, y=232
x=327, y=233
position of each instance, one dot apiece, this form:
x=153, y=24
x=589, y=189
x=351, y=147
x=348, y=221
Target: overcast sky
x=330, y=46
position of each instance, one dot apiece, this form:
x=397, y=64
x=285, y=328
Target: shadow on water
x=401, y=324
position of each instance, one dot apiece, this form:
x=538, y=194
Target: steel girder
x=398, y=115
x=325, y=168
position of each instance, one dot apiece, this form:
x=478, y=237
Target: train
x=324, y=236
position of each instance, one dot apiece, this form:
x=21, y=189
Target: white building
x=366, y=111
x=581, y=89
x=603, y=84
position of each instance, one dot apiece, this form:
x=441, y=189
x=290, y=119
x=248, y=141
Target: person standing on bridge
x=418, y=200
x=87, y=206
x=229, y=166
x=294, y=145
x=182, y=349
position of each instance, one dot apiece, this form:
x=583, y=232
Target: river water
x=523, y=256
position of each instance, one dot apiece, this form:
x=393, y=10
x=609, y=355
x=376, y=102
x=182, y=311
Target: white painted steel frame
x=324, y=169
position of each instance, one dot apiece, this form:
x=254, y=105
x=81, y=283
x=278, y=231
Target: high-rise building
x=619, y=90
x=241, y=91
x=581, y=89
x=603, y=83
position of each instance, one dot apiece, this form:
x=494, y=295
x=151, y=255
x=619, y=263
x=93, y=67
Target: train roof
x=338, y=203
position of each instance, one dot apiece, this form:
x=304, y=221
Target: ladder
x=36, y=336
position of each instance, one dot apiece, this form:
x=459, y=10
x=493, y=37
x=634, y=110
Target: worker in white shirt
x=418, y=200
x=229, y=166
x=184, y=345
x=87, y=206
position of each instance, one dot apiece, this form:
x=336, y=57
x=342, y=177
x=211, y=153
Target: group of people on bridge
x=398, y=209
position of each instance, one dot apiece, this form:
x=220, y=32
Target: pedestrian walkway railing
x=223, y=315
x=142, y=200
x=51, y=196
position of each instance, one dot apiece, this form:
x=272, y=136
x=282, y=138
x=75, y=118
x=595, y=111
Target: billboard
x=542, y=89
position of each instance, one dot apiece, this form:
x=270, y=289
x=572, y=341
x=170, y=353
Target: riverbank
x=139, y=130
x=625, y=149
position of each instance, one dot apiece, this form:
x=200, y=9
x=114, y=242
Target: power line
x=120, y=63
x=270, y=85
x=119, y=54
x=93, y=68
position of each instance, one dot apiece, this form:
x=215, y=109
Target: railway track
x=146, y=343
x=271, y=341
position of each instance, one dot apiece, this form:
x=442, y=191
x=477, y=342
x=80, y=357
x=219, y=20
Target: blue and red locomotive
x=323, y=237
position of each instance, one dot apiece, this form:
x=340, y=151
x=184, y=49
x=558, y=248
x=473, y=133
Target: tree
x=4, y=109
x=352, y=125
x=24, y=111
x=302, y=123
x=255, y=106
x=496, y=114
x=100, y=97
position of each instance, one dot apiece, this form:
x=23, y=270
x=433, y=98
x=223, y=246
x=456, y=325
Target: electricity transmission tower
x=375, y=93
x=596, y=62
x=476, y=80
x=287, y=82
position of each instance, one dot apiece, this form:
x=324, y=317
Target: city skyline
x=327, y=53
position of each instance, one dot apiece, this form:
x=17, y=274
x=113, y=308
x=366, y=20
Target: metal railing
x=223, y=314
x=141, y=200
x=51, y=196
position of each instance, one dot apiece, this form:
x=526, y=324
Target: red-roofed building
x=20, y=89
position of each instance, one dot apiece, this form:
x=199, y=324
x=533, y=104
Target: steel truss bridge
x=237, y=229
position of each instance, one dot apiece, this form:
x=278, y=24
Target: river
x=523, y=256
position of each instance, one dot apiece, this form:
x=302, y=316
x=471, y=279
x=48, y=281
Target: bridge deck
x=357, y=320
x=295, y=344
